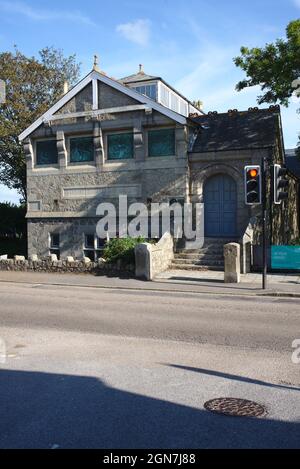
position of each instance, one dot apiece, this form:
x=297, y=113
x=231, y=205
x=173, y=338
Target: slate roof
x=237, y=130
x=292, y=162
x=137, y=77
x=141, y=76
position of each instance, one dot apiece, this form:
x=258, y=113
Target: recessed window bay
x=81, y=149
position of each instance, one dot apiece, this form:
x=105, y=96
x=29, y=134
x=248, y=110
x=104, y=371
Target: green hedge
x=12, y=247
x=121, y=249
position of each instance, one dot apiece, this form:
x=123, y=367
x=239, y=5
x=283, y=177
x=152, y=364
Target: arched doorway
x=220, y=200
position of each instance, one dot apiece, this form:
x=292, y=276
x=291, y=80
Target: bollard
x=232, y=263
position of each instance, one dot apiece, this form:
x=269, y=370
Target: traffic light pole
x=264, y=222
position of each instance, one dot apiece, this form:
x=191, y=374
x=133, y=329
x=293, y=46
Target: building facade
x=139, y=137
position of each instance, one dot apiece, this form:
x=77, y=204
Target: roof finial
x=96, y=62
x=141, y=68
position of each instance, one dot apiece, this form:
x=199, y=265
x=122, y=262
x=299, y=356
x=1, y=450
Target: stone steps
x=209, y=257
x=212, y=262
x=200, y=255
x=194, y=267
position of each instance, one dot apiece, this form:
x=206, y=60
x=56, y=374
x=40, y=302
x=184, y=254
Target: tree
x=274, y=67
x=32, y=86
x=12, y=220
x=198, y=103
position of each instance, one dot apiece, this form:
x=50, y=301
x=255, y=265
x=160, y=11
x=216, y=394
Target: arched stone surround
x=201, y=175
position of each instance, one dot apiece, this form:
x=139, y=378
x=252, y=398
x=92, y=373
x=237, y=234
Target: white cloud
x=22, y=8
x=297, y=3
x=137, y=31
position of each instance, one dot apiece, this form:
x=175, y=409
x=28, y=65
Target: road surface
x=97, y=368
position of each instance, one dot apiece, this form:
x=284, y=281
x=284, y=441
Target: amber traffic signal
x=252, y=184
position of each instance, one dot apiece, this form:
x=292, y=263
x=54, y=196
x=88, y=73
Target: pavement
x=201, y=282
x=127, y=368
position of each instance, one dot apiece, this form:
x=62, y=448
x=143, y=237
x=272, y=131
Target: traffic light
x=253, y=185
x=280, y=183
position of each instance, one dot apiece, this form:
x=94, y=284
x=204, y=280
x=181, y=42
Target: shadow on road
x=243, y=379
x=39, y=410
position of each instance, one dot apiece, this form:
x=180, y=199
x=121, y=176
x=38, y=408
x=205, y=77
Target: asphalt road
x=84, y=367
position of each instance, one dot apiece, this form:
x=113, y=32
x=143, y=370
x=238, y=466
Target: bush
x=121, y=249
x=12, y=247
x=12, y=220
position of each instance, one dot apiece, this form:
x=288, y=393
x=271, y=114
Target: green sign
x=285, y=257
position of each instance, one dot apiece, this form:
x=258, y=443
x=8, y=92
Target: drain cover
x=235, y=407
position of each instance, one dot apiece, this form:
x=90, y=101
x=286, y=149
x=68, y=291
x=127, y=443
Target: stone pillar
x=98, y=145
x=138, y=141
x=143, y=261
x=232, y=263
x=61, y=149
x=181, y=142
x=28, y=150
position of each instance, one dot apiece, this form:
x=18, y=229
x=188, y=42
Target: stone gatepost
x=143, y=261
x=232, y=263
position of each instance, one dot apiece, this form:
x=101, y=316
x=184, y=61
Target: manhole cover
x=235, y=407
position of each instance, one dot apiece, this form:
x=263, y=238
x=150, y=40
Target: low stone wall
x=63, y=266
x=151, y=259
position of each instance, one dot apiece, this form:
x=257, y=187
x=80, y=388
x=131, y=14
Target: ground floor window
x=55, y=244
x=93, y=246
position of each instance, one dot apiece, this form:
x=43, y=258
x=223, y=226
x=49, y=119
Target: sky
x=190, y=43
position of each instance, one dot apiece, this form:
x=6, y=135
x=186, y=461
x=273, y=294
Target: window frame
x=145, y=85
x=68, y=147
x=48, y=165
x=153, y=129
x=97, y=252
x=139, y=84
x=53, y=248
x=118, y=132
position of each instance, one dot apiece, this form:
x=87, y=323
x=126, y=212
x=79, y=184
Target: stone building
x=140, y=137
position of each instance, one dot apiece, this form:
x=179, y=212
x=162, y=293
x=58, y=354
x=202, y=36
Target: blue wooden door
x=220, y=206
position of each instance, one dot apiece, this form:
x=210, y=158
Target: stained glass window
x=161, y=142
x=81, y=149
x=120, y=146
x=46, y=152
